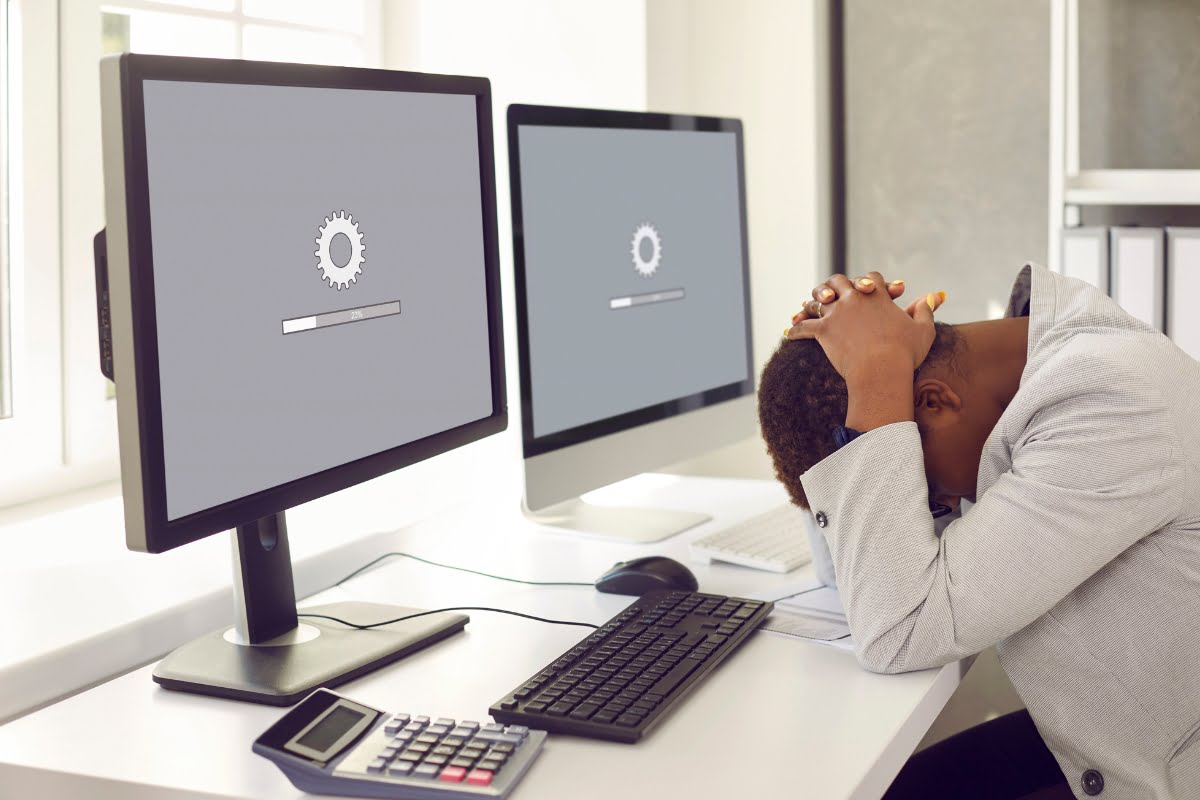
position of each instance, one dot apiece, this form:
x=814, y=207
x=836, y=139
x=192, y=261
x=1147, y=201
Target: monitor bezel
x=561, y=116
x=161, y=533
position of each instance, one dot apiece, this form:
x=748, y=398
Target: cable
x=797, y=594
x=460, y=569
x=440, y=610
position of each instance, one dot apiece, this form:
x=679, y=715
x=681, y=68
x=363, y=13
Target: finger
x=924, y=310
x=840, y=284
x=823, y=294
x=866, y=284
x=912, y=307
x=806, y=329
x=877, y=278
x=895, y=288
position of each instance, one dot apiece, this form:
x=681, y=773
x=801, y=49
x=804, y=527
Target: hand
x=824, y=294
x=862, y=330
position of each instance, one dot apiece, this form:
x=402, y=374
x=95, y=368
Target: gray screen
x=634, y=275
x=318, y=279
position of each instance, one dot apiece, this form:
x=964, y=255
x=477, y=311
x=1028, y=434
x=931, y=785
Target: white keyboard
x=775, y=541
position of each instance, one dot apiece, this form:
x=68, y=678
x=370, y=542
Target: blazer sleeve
x=1090, y=476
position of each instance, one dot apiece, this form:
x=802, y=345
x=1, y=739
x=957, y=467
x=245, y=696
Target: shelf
x=1133, y=187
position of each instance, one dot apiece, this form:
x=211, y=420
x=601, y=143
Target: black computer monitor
x=299, y=291
x=633, y=304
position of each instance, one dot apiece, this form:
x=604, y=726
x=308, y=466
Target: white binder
x=1085, y=255
x=1183, y=288
x=1137, y=272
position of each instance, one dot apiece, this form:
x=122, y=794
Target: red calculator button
x=479, y=777
x=452, y=774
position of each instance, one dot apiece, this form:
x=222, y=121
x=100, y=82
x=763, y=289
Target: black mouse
x=642, y=575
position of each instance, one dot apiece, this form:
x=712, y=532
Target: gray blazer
x=1080, y=560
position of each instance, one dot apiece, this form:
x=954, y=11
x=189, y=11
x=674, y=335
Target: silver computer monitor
x=299, y=291
x=633, y=304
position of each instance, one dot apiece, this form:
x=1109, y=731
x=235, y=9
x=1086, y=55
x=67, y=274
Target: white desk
x=810, y=721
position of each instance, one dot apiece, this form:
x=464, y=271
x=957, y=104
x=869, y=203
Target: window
x=57, y=412
x=5, y=380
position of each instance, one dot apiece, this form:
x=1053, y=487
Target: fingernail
x=896, y=283
x=931, y=301
x=786, y=331
x=941, y=297
x=826, y=294
x=796, y=317
x=866, y=282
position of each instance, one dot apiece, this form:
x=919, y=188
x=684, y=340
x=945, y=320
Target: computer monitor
x=299, y=291
x=633, y=304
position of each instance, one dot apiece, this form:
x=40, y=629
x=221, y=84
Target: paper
x=814, y=613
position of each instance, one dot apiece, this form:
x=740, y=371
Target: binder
x=1183, y=288
x=1137, y=272
x=1085, y=255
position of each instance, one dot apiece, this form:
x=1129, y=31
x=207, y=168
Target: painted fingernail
x=896, y=283
x=826, y=294
x=866, y=282
x=941, y=297
x=931, y=301
x=786, y=331
x=796, y=317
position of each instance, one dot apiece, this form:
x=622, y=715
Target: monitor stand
x=270, y=656
x=627, y=524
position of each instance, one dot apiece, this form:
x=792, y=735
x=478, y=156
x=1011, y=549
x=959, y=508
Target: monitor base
x=284, y=670
x=633, y=525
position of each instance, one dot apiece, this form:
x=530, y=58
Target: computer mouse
x=642, y=575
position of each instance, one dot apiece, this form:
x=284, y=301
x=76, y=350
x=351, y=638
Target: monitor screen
x=632, y=244
x=318, y=282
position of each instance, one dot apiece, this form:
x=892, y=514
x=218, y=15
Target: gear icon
x=342, y=276
x=645, y=232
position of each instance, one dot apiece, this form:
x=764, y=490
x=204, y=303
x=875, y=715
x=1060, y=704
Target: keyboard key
x=585, y=711
x=479, y=777
x=452, y=774
x=629, y=720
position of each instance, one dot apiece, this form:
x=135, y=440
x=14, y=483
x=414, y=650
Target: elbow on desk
x=890, y=653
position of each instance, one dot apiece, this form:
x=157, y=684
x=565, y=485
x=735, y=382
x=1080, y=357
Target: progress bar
x=298, y=324
x=645, y=299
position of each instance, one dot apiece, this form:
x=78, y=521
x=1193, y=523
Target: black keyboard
x=618, y=682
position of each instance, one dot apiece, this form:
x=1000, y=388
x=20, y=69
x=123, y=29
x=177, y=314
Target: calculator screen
x=322, y=735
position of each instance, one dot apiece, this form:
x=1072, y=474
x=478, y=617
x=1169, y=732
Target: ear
x=934, y=402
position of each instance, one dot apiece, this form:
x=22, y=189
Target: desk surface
x=806, y=715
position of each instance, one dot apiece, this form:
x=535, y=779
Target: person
x=1071, y=428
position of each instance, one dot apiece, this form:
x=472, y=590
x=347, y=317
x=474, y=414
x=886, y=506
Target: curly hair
x=802, y=398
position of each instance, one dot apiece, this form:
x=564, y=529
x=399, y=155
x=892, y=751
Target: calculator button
x=462, y=761
x=494, y=726
x=443, y=750
x=426, y=771
x=389, y=752
x=479, y=777
x=453, y=741
x=462, y=732
x=422, y=721
x=377, y=765
x=427, y=738
x=438, y=730
x=469, y=723
x=449, y=723
x=491, y=765
x=517, y=730
x=436, y=760
x=471, y=752
x=410, y=756
x=413, y=727
x=453, y=774
x=502, y=747
x=400, y=768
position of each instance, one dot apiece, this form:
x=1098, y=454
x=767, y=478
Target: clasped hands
x=864, y=333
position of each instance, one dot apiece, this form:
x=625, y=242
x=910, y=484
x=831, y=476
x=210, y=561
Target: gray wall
x=947, y=121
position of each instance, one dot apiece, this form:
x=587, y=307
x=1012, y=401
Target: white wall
x=582, y=53
x=762, y=61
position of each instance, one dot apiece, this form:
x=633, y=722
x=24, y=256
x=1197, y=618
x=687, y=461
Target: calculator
x=329, y=744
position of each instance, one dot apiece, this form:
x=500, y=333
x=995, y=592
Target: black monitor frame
x=161, y=533
x=519, y=115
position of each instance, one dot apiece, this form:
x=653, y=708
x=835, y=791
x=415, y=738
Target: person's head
x=802, y=398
